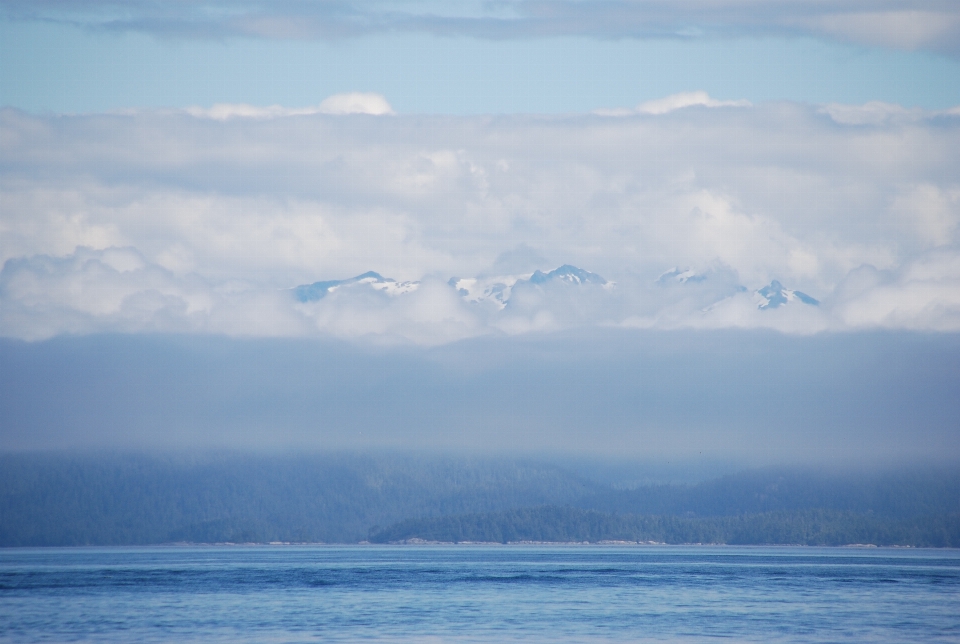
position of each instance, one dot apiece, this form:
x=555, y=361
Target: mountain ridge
x=498, y=289
x=127, y=499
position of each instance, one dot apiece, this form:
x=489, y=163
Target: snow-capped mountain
x=498, y=289
x=495, y=289
x=721, y=283
x=774, y=295
x=370, y=279
x=677, y=276
x=569, y=274
x=708, y=286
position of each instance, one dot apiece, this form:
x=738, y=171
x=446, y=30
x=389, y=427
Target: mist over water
x=709, y=400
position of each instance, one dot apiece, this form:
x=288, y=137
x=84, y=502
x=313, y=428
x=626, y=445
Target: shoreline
x=414, y=543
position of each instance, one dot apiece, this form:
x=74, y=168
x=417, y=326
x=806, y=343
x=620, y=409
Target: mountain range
x=774, y=295
x=370, y=279
x=498, y=289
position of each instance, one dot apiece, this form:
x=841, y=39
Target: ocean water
x=479, y=594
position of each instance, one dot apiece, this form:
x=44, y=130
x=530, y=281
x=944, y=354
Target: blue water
x=479, y=594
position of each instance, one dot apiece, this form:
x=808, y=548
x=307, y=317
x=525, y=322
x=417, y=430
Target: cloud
x=433, y=314
x=901, y=24
x=224, y=111
x=174, y=221
x=763, y=397
x=355, y=103
x=340, y=104
x=908, y=26
x=117, y=290
x=872, y=113
x=671, y=103
x=923, y=294
x=685, y=99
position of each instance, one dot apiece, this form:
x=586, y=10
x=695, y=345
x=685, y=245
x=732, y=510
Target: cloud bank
x=702, y=214
x=900, y=24
x=683, y=397
x=348, y=103
x=674, y=102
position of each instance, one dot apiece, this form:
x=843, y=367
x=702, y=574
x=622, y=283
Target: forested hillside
x=113, y=499
x=893, y=493
x=799, y=527
x=123, y=499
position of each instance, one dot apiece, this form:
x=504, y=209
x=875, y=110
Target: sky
x=750, y=197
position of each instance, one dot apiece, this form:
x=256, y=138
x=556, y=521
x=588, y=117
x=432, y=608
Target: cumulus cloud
x=224, y=111
x=430, y=315
x=173, y=221
x=872, y=113
x=923, y=294
x=671, y=103
x=355, y=103
x=117, y=290
x=902, y=24
x=685, y=99
x=348, y=103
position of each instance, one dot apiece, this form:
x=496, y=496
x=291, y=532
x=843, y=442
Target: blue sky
x=514, y=172
x=86, y=64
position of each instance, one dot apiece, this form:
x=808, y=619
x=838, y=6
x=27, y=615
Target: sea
x=479, y=593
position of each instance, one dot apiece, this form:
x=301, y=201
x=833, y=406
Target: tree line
x=57, y=499
x=812, y=527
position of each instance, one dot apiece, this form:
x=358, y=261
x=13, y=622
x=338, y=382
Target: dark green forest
x=50, y=499
x=797, y=527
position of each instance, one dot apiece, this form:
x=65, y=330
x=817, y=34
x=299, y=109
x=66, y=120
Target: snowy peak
x=499, y=289
x=677, y=276
x=482, y=289
x=494, y=289
x=569, y=274
x=774, y=295
x=370, y=279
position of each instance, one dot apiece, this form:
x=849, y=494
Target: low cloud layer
x=744, y=397
x=899, y=24
x=348, y=103
x=671, y=103
x=695, y=213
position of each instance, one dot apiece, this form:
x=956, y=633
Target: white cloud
x=685, y=99
x=430, y=315
x=872, y=113
x=355, y=103
x=170, y=221
x=708, y=226
x=224, y=111
x=924, y=294
x=928, y=212
x=893, y=27
x=117, y=290
x=338, y=104
x=671, y=103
